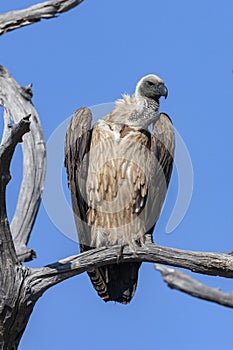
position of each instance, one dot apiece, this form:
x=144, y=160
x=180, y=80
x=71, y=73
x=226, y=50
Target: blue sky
x=90, y=56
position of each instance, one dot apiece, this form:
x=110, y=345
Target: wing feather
x=77, y=147
x=77, y=144
x=162, y=155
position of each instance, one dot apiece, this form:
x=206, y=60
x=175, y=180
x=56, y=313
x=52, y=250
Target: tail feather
x=115, y=282
x=98, y=283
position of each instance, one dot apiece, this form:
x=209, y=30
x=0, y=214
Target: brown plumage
x=118, y=174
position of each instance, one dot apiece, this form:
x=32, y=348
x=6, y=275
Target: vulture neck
x=136, y=112
x=149, y=103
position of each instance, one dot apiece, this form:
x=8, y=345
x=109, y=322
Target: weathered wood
x=49, y=9
x=7, y=250
x=17, y=104
x=16, y=305
x=34, y=282
x=215, y=264
x=12, y=322
x=184, y=283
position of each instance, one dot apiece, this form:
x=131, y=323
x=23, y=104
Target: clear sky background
x=89, y=56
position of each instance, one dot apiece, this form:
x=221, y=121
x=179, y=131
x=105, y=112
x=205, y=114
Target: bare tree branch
x=17, y=105
x=216, y=264
x=184, y=283
x=49, y=9
x=11, y=277
x=27, y=285
x=15, y=136
x=7, y=250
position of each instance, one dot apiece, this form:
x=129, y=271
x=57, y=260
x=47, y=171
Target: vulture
x=118, y=173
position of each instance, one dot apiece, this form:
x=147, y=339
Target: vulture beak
x=162, y=89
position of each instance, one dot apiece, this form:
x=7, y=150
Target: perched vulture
x=118, y=174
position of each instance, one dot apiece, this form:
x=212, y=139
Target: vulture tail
x=115, y=282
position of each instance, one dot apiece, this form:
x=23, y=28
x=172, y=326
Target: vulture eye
x=150, y=83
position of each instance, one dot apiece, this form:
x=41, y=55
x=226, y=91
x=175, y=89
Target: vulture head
x=140, y=110
x=151, y=87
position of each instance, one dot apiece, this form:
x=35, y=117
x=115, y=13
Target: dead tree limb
x=49, y=9
x=11, y=273
x=215, y=264
x=17, y=105
x=184, y=283
x=29, y=284
x=6, y=152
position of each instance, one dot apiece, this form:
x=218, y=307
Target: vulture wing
x=77, y=146
x=162, y=155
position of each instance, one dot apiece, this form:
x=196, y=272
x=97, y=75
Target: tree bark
x=12, y=320
x=49, y=9
x=24, y=286
x=17, y=104
x=15, y=307
x=214, y=264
